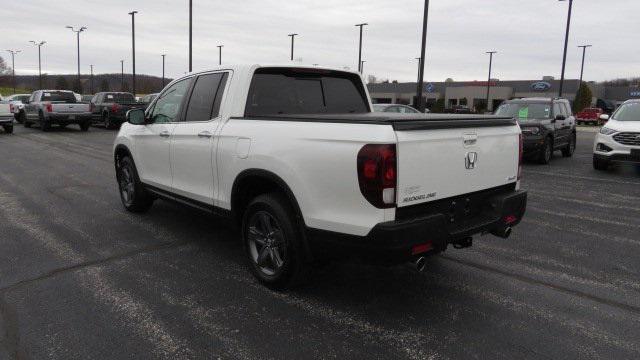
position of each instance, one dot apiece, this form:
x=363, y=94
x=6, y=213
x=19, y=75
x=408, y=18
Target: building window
x=463, y=102
x=453, y=102
x=480, y=104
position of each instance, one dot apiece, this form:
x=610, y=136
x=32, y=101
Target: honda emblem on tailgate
x=470, y=160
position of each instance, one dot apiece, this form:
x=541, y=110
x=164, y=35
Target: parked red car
x=589, y=116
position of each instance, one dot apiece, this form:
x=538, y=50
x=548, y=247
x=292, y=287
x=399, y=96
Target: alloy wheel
x=266, y=242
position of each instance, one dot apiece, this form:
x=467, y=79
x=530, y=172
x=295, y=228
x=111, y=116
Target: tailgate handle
x=469, y=139
x=164, y=133
x=204, y=134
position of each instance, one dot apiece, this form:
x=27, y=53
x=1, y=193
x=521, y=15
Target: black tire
x=106, y=121
x=8, y=129
x=44, y=124
x=132, y=194
x=84, y=126
x=599, y=164
x=288, y=245
x=546, y=152
x=27, y=123
x=20, y=118
x=568, y=150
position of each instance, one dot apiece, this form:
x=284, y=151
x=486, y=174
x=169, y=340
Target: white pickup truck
x=295, y=157
x=59, y=107
x=6, y=116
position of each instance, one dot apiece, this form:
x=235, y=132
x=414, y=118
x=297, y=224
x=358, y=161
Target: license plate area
x=72, y=117
x=635, y=154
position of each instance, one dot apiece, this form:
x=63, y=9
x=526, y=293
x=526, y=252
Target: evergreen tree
x=583, y=98
x=104, y=85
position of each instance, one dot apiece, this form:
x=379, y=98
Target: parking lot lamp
x=360, y=47
x=91, y=80
x=133, y=50
x=566, y=41
x=190, y=35
x=489, y=79
x=163, y=56
x=419, y=104
x=362, y=66
x=39, y=45
x=584, y=51
x=292, y=37
x=121, y=75
x=81, y=29
x=220, y=54
x=13, y=67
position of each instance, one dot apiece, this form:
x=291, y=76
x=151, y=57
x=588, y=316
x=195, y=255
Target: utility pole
x=81, y=29
x=419, y=65
x=292, y=37
x=121, y=75
x=190, y=35
x=91, y=79
x=133, y=49
x=163, y=56
x=489, y=79
x=13, y=67
x=360, y=47
x=220, y=54
x=362, y=66
x=420, y=105
x=584, y=51
x=39, y=45
x=566, y=42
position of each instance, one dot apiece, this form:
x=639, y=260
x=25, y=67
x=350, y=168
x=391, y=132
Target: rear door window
x=276, y=91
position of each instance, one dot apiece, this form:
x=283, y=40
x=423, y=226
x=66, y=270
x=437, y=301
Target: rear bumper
x=6, y=120
x=62, y=118
x=395, y=241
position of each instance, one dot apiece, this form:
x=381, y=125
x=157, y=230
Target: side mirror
x=136, y=117
x=560, y=117
x=604, y=117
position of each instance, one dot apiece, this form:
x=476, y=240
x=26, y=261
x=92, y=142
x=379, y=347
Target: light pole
x=489, y=78
x=133, y=50
x=163, y=56
x=584, y=51
x=292, y=37
x=360, y=47
x=13, y=67
x=220, y=54
x=420, y=105
x=39, y=45
x=362, y=66
x=121, y=75
x=81, y=29
x=566, y=42
x=190, y=34
x=419, y=65
x=91, y=79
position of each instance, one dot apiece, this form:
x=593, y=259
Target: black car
x=547, y=125
x=110, y=108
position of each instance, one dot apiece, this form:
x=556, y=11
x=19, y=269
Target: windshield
x=628, y=112
x=525, y=111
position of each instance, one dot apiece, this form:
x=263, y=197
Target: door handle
x=205, y=134
x=164, y=133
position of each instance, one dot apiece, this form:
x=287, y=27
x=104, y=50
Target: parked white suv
x=619, y=139
x=297, y=159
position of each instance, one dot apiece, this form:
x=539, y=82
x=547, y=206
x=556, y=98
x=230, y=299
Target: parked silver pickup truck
x=60, y=107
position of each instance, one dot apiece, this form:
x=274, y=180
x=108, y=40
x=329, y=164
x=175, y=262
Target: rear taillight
x=48, y=107
x=11, y=109
x=520, y=150
x=114, y=107
x=377, y=174
x=92, y=107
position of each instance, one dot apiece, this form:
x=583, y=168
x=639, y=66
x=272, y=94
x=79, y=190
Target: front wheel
x=571, y=147
x=132, y=194
x=21, y=117
x=546, y=152
x=273, y=242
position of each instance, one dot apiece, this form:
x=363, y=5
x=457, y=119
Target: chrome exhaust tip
x=503, y=233
x=420, y=264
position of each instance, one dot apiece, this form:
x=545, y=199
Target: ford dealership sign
x=540, y=86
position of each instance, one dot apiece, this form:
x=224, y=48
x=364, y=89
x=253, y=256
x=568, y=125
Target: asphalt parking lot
x=82, y=279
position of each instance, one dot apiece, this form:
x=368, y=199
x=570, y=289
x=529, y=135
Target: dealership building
x=473, y=94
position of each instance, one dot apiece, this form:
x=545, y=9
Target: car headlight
x=606, y=131
x=535, y=130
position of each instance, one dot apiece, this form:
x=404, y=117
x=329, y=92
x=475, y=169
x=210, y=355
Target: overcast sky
x=528, y=35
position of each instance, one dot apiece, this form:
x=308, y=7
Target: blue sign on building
x=540, y=86
x=429, y=87
x=634, y=94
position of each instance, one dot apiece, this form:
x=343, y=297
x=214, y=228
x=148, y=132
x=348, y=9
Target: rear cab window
x=60, y=96
x=286, y=91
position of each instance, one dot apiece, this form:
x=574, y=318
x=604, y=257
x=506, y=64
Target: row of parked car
x=46, y=108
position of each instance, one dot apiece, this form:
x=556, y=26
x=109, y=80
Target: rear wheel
x=21, y=118
x=106, y=121
x=571, y=147
x=44, y=124
x=84, y=126
x=600, y=164
x=8, y=129
x=273, y=242
x=132, y=194
x=546, y=152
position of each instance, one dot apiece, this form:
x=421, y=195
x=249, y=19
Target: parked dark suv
x=547, y=125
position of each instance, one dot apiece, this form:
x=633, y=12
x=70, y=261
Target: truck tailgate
x=76, y=108
x=441, y=159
